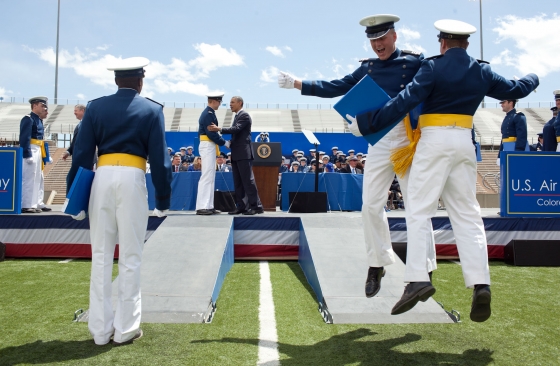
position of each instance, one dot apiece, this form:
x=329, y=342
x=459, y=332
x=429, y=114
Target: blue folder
x=48, y=155
x=78, y=197
x=367, y=96
x=510, y=146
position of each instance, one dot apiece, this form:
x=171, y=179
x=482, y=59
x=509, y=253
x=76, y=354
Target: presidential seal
x=263, y=151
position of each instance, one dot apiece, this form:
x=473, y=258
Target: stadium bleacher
x=487, y=121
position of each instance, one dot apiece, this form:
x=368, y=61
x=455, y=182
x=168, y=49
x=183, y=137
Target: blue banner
x=10, y=180
x=529, y=184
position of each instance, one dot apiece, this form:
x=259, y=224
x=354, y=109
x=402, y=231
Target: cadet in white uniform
x=208, y=150
x=126, y=128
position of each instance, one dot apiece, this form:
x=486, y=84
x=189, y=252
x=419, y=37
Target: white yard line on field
x=268, y=337
x=66, y=260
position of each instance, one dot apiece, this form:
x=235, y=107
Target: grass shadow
x=350, y=348
x=40, y=352
x=300, y=275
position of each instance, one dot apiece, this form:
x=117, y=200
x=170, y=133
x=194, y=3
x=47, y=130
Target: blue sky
x=238, y=47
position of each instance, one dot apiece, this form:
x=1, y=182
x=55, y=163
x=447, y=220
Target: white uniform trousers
x=31, y=179
x=445, y=166
x=378, y=176
x=118, y=213
x=205, y=195
x=41, y=194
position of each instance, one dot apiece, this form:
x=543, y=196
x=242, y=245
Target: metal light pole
x=481, y=48
x=56, y=64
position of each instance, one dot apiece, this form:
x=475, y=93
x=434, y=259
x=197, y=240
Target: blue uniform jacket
x=30, y=127
x=515, y=125
x=557, y=125
x=549, y=136
x=454, y=83
x=208, y=117
x=391, y=75
x=125, y=123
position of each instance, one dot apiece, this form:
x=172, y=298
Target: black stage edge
x=308, y=202
x=533, y=253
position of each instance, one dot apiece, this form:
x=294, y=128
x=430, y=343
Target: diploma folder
x=78, y=196
x=367, y=96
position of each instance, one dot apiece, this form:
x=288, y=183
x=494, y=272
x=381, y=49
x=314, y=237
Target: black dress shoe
x=237, y=211
x=253, y=211
x=204, y=212
x=30, y=210
x=216, y=212
x=45, y=209
x=373, y=281
x=413, y=292
x=480, y=308
x=138, y=335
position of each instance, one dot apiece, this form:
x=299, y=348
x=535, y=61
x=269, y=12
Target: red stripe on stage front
x=265, y=251
x=53, y=250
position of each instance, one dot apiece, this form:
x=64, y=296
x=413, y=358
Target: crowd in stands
x=298, y=162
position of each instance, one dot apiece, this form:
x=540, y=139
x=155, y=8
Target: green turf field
x=38, y=299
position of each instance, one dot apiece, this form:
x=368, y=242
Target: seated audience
x=196, y=165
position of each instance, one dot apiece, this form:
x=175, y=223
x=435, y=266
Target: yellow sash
x=206, y=138
x=43, y=150
x=509, y=139
x=402, y=157
x=122, y=160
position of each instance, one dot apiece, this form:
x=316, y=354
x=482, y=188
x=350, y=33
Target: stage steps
x=332, y=254
x=184, y=264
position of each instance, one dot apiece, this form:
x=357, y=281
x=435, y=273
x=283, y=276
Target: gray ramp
x=180, y=265
x=339, y=256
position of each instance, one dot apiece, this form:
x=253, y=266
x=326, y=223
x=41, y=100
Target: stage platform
x=186, y=257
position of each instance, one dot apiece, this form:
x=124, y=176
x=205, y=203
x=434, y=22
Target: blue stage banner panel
x=344, y=191
x=529, y=184
x=184, y=188
x=289, y=141
x=10, y=180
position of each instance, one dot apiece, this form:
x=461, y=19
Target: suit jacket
x=76, y=130
x=224, y=168
x=349, y=170
x=240, y=137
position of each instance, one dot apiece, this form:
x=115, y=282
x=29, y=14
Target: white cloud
x=276, y=51
x=105, y=47
x=80, y=96
x=341, y=70
x=177, y=76
x=533, y=37
x=270, y=74
x=367, y=46
x=4, y=93
x=406, y=38
x=407, y=34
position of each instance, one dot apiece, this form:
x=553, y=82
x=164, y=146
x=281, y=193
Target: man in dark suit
x=351, y=167
x=241, y=160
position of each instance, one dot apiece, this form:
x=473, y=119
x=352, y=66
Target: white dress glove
x=29, y=160
x=159, y=213
x=353, y=127
x=227, y=144
x=50, y=160
x=285, y=80
x=80, y=216
x=558, y=148
x=498, y=162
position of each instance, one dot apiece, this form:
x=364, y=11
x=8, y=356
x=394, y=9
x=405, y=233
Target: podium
x=267, y=160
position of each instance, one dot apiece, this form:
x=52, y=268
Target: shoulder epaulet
x=483, y=62
x=151, y=100
x=409, y=52
x=364, y=60
x=210, y=112
x=93, y=100
x=433, y=57
x=519, y=112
